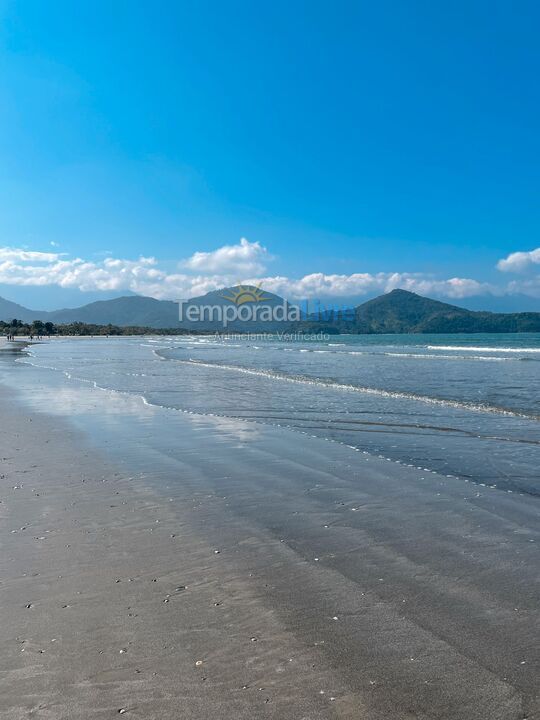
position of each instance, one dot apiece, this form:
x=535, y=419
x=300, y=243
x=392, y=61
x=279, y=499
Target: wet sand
x=195, y=569
x=13, y=345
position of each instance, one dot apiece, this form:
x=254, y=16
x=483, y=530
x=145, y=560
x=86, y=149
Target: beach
x=165, y=564
x=111, y=604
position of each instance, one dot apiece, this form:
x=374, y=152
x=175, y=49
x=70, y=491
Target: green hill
x=401, y=311
x=124, y=311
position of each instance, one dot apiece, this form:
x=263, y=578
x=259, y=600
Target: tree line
x=39, y=328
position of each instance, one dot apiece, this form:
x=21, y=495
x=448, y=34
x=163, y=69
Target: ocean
x=465, y=406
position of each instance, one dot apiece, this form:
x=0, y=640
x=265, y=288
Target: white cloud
x=530, y=286
x=19, y=267
x=244, y=258
x=319, y=285
x=520, y=261
x=7, y=253
x=206, y=271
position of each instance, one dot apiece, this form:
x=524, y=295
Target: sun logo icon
x=242, y=294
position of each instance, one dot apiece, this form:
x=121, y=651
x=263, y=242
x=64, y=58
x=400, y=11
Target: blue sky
x=356, y=146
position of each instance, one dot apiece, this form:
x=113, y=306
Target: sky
x=333, y=151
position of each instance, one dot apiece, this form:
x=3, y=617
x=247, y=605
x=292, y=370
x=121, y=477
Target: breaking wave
x=325, y=383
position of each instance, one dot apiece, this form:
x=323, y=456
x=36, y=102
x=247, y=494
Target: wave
x=430, y=356
x=393, y=394
x=417, y=355
x=475, y=348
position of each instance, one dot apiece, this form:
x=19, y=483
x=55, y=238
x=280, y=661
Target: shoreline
x=13, y=345
x=299, y=544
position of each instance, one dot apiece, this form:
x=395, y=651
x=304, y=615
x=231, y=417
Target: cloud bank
x=319, y=285
x=246, y=262
x=519, y=262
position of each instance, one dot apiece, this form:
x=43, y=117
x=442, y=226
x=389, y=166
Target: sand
x=268, y=576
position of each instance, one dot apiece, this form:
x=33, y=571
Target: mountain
x=53, y=297
x=401, y=311
x=134, y=310
x=398, y=311
x=10, y=310
x=123, y=311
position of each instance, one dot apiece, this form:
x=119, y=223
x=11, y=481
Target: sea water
x=460, y=405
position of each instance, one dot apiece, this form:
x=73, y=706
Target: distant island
x=398, y=311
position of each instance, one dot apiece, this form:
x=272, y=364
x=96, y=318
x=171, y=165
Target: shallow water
x=465, y=405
